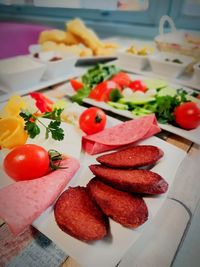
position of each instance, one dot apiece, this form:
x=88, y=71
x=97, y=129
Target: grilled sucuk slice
x=78, y=216
x=124, y=208
x=132, y=157
x=138, y=181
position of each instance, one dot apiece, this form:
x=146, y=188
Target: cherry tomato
x=122, y=79
x=101, y=92
x=27, y=162
x=138, y=85
x=187, y=115
x=92, y=120
x=76, y=85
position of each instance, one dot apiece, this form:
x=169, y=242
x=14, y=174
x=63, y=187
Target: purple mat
x=16, y=38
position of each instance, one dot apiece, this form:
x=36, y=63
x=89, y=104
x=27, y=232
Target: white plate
x=81, y=61
x=109, y=251
x=192, y=135
x=5, y=95
x=184, y=80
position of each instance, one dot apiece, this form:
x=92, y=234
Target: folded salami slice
x=136, y=181
x=22, y=202
x=120, y=135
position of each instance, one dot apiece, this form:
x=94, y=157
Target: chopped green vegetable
x=115, y=95
x=138, y=111
x=97, y=74
x=80, y=95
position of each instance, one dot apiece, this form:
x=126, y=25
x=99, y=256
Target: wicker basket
x=177, y=41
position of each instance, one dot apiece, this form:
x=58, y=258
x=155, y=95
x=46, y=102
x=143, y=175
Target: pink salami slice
x=22, y=202
x=120, y=135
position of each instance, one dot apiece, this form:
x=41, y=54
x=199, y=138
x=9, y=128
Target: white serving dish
x=133, y=61
x=58, y=67
x=20, y=72
x=196, y=74
x=171, y=69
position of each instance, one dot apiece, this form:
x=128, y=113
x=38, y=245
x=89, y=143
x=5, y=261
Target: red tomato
x=92, y=120
x=138, y=85
x=122, y=79
x=187, y=115
x=76, y=84
x=27, y=162
x=101, y=92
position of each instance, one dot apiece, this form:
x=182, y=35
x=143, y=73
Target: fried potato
x=55, y=35
x=87, y=36
x=48, y=46
x=77, y=39
x=78, y=50
x=86, y=52
x=71, y=39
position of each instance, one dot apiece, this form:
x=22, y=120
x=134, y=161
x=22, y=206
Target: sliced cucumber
x=136, y=100
x=167, y=91
x=118, y=105
x=155, y=84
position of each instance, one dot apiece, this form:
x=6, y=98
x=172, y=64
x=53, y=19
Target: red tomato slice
x=101, y=92
x=187, y=115
x=138, y=85
x=27, y=162
x=92, y=120
x=76, y=84
x=122, y=79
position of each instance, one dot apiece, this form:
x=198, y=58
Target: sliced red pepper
x=43, y=103
x=76, y=85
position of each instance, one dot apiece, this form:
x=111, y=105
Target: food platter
x=192, y=135
x=110, y=250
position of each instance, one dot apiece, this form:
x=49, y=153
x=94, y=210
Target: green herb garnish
x=53, y=128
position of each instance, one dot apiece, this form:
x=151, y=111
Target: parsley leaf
x=54, y=115
x=32, y=128
x=56, y=132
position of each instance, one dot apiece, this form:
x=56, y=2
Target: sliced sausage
x=124, y=208
x=138, y=181
x=132, y=157
x=78, y=216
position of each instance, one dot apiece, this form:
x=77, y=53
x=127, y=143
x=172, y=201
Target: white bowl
x=196, y=74
x=21, y=72
x=128, y=60
x=57, y=68
x=162, y=63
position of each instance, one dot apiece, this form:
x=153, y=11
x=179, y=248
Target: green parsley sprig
x=53, y=128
